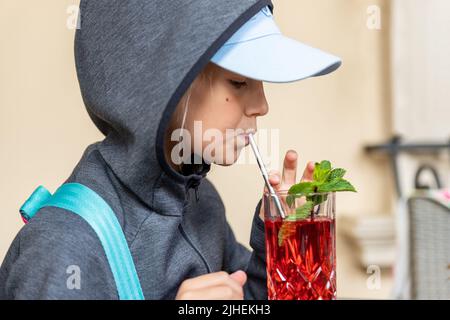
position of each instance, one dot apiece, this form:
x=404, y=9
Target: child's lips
x=245, y=136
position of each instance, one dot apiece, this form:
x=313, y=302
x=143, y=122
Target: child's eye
x=238, y=84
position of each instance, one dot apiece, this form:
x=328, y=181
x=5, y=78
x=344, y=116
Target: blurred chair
x=429, y=222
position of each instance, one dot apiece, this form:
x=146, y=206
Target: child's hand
x=289, y=175
x=214, y=286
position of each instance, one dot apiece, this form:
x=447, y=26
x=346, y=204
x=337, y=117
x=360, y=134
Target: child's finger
x=239, y=276
x=216, y=293
x=274, y=180
x=289, y=168
x=308, y=173
x=211, y=279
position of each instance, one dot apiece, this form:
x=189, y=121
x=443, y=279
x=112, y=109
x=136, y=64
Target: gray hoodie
x=135, y=59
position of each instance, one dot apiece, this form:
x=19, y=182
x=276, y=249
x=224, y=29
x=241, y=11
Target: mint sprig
x=325, y=180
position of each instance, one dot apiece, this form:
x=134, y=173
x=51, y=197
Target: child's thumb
x=274, y=179
x=239, y=276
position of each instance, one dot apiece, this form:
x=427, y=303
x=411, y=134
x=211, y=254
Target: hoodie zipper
x=188, y=240
x=193, y=183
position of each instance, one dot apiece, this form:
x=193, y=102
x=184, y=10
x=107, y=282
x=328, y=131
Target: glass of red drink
x=301, y=251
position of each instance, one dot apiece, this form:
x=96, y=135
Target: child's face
x=222, y=100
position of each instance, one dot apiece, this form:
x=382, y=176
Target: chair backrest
x=429, y=222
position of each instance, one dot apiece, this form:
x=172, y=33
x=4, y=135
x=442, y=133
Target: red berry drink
x=303, y=265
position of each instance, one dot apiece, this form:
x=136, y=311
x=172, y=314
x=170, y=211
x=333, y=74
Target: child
x=146, y=69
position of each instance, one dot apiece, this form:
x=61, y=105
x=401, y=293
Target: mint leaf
x=287, y=230
x=301, y=212
x=336, y=174
x=325, y=180
x=325, y=165
x=302, y=188
x=290, y=200
x=336, y=185
x=317, y=198
x=321, y=171
x=288, y=227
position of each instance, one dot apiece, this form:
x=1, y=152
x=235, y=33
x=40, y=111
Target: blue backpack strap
x=85, y=202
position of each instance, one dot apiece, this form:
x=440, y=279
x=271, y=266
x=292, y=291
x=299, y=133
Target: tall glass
x=301, y=249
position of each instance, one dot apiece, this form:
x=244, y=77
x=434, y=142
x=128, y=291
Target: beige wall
x=44, y=127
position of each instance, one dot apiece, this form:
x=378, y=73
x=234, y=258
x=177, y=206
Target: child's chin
x=227, y=162
x=232, y=160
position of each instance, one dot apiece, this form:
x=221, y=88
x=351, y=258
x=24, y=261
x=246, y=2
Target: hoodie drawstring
x=193, y=183
x=197, y=168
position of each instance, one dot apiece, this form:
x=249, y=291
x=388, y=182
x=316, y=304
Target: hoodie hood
x=135, y=60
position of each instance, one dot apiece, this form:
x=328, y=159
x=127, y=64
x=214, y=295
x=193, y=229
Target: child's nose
x=259, y=106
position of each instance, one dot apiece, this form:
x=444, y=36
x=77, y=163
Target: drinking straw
x=265, y=175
